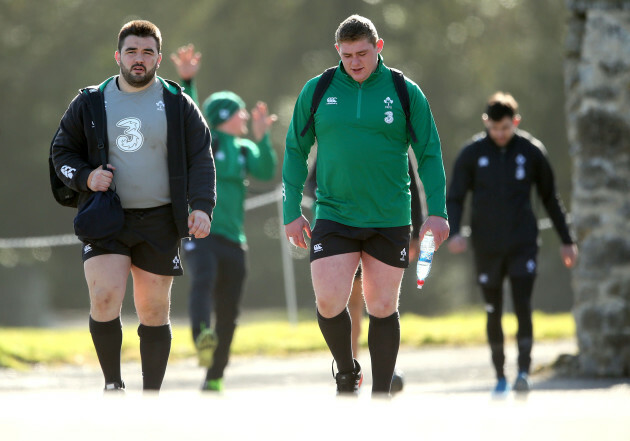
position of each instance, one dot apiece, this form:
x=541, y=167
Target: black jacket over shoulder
x=190, y=163
x=500, y=180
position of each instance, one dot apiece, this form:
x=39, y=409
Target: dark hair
x=500, y=105
x=355, y=28
x=140, y=28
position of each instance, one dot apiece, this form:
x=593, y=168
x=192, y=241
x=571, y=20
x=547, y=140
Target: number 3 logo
x=132, y=139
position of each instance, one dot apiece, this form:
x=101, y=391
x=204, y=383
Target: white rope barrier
x=40, y=242
x=250, y=204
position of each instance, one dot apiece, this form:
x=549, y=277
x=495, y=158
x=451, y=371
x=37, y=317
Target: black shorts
x=389, y=245
x=149, y=237
x=491, y=269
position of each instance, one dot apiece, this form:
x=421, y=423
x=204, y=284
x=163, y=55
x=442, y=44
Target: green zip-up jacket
x=362, y=141
x=234, y=159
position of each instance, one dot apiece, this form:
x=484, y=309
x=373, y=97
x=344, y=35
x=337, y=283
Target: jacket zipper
x=359, y=102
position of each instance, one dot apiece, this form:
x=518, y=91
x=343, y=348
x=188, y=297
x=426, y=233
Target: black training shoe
x=349, y=382
x=398, y=381
x=114, y=387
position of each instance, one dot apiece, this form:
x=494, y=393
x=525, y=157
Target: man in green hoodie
x=217, y=263
x=363, y=197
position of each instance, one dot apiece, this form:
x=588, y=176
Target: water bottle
x=427, y=247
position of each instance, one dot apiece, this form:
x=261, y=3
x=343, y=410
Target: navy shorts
x=492, y=268
x=149, y=237
x=388, y=245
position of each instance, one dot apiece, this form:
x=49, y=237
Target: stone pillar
x=597, y=83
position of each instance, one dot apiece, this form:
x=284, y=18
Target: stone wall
x=597, y=82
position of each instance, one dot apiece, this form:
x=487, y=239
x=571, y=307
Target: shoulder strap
x=403, y=96
x=320, y=89
x=95, y=105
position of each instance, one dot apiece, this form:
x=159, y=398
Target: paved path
x=446, y=397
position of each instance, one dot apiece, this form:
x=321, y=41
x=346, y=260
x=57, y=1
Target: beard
x=136, y=80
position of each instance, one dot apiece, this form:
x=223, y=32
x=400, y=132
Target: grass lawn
x=21, y=348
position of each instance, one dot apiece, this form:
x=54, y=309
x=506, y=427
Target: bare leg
x=106, y=276
x=332, y=282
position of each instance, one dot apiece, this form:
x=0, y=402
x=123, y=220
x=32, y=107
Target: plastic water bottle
x=427, y=247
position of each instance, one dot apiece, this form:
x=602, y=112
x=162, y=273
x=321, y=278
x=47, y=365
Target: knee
x=522, y=308
x=153, y=311
x=153, y=316
x=105, y=301
x=382, y=307
x=329, y=306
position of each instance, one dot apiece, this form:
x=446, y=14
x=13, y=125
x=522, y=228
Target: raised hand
x=261, y=120
x=186, y=61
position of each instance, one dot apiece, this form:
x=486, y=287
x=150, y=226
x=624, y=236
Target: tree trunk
x=597, y=83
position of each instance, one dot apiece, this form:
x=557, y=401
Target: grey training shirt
x=136, y=130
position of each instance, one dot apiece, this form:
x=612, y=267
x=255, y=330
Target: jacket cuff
x=82, y=179
x=290, y=214
x=205, y=206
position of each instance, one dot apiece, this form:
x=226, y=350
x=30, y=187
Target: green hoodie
x=362, y=141
x=234, y=159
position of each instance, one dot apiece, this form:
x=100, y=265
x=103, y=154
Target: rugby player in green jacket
x=217, y=263
x=363, y=197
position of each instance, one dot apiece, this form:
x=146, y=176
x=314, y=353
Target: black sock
x=155, y=347
x=107, y=338
x=337, y=332
x=383, y=343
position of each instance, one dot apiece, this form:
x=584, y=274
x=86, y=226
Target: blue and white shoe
x=502, y=388
x=522, y=383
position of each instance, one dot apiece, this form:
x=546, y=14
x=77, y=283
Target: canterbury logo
x=331, y=100
x=318, y=247
x=68, y=171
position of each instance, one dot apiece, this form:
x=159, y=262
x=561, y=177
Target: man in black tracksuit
x=160, y=164
x=499, y=167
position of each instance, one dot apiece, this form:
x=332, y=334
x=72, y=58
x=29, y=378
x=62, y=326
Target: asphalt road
x=446, y=397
